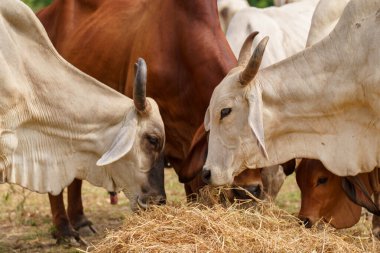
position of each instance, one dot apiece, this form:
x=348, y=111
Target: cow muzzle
x=206, y=176
x=249, y=192
x=150, y=196
x=145, y=202
x=308, y=222
x=216, y=177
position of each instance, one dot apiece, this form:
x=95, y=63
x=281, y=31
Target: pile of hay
x=199, y=228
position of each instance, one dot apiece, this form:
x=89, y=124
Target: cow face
x=135, y=160
x=139, y=169
x=249, y=180
x=234, y=119
x=229, y=136
x=323, y=197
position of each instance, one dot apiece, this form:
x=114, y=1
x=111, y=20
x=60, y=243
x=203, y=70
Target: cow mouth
x=248, y=192
x=141, y=204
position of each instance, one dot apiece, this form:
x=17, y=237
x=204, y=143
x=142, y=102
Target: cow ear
x=255, y=116
x=289, y=167
x=207, y=120
x=357, y=193
x=123, y=141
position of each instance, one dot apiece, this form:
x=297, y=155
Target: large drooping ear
x=357, y=192
x=206, y=122
x=255, y=116
x=123, y=141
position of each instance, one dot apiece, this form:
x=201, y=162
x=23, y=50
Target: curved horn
x=254, y=63
x=139, y=86
x=245, y=51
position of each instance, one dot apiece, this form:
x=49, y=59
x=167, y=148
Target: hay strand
x=180, y=227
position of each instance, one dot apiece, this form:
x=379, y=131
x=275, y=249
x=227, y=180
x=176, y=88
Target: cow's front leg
x=63, y=232
x=376, y=218
x=75, y=207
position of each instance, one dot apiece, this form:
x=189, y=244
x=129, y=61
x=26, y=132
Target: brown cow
x=187, y=55
x=331, y=198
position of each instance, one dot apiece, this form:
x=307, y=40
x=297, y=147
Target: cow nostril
x=248, y=191
x=306, y=222
x=206, y=175
x=255, y=190
x=162, y=201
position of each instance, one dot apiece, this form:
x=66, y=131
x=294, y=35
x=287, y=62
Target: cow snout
x=245, y=193
x=146, y=201
x=255, y=190
x=161, y=200
x=306, y=222
x=206, y=176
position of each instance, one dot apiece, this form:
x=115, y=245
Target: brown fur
x=328, y=201
x=184, y=47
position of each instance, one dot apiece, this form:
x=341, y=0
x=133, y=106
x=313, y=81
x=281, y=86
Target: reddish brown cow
x=331, y=198
x=186, y=53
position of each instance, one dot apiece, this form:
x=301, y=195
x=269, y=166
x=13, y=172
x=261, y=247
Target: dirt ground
x=25, y=222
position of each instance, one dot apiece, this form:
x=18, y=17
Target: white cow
x=283, y=2
x=322, y=103
x=287, y=26
x=227, y=9
x=325, y=18
x=58, y=123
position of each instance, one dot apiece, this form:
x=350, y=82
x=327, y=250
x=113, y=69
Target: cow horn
x=253, y=65
x=245, y=51
x=139, y=86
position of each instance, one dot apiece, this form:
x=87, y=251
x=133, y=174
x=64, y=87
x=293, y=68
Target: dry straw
x=199, y=228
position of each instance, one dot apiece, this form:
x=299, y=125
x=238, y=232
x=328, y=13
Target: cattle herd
x=113, y=91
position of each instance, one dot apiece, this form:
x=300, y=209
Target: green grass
x=289, y=196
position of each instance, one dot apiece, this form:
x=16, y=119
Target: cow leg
x=64, y=232
x=75, y=207
x=376, y=218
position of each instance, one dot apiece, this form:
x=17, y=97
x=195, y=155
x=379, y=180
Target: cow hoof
x=71, y=241
x=83, y=223
x=69, y=238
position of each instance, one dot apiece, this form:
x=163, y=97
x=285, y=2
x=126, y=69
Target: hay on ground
x=199, y=228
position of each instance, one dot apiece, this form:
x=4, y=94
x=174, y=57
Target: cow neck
x=63, y=119
x=206, y=59
x=72, y=123
x=308, y=100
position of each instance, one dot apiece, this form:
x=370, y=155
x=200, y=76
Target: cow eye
x=322, y=180
x=153, y=140
x=224, y=112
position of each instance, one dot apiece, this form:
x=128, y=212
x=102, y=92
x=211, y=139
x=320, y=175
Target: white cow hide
x=322, y=103
x=287, y=26
x=227, y=9
x=325, y=17
x=56, y=121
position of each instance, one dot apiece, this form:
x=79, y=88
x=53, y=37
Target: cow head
x=190, y=173
x=234, y=119
x=135, y=160
x=323, y=196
